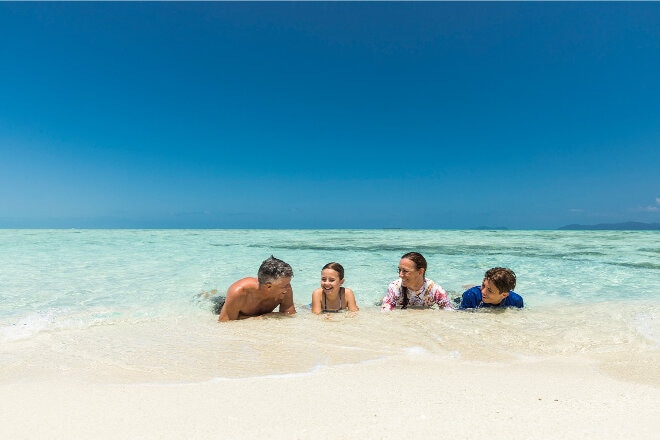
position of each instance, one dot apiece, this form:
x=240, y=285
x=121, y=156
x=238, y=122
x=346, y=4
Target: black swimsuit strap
x=325, y=305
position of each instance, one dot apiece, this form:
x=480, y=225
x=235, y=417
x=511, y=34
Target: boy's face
x=490, y=294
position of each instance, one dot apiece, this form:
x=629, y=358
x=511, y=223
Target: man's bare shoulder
x=243, y=287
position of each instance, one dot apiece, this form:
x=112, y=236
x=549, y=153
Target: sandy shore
x=398, y=397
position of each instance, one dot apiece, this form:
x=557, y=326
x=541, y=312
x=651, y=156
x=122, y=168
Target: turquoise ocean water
x=129, y=305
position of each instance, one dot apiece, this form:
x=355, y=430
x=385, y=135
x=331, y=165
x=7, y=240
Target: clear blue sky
x=318, y=115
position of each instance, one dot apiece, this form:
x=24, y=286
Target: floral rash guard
x=429, y=294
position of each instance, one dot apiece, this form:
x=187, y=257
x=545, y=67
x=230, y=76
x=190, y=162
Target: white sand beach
x=406, y=397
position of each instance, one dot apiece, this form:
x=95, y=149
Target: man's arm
x=286, y=306
x=233, y=303
x=229, y=312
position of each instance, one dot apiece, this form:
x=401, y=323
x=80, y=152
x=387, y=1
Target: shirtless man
x=250, y=296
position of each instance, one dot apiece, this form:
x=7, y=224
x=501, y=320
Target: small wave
x=644, y=265
x=416, y=351
x=315, y=369
x=644, y=324
x=27, y=327
x=455, y=354
x=53, y=320
x=424, y=249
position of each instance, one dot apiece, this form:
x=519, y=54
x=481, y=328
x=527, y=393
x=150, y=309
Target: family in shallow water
x=250, y=297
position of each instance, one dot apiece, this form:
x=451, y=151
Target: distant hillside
x=626, y=226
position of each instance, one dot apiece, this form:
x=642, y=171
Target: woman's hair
x=336, y=267
x=417, y=258
x=420, y=263
x=503, y=278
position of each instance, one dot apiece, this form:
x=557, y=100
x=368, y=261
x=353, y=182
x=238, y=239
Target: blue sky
x=329, y=115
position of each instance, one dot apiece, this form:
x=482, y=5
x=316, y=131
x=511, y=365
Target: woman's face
x=330, y=281
x=411, y=276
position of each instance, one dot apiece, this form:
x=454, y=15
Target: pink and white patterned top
x=430, y=293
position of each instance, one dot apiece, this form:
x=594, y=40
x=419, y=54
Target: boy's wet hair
x=503, y=278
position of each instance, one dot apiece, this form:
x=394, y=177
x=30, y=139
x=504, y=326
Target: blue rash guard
x=472, y=300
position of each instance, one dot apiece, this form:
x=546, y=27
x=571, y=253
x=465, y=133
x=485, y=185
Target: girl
x=331, y=296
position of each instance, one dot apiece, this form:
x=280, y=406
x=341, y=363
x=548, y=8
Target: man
x=495, y=291
x=250, y=296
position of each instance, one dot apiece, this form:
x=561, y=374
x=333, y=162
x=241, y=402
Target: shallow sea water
x=129, y=305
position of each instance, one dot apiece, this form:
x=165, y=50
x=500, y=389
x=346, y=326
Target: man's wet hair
x=273, y=269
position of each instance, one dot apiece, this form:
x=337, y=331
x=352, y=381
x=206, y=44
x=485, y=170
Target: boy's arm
x=468, y=300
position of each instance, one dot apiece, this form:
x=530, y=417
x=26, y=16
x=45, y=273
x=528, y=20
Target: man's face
x=409, y=273
x=280, y=287
x=490, y=294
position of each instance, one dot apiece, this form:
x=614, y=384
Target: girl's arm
x=316, y=301
x=350, y=300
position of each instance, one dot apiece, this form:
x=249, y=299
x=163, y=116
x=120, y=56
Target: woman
x=413, y=288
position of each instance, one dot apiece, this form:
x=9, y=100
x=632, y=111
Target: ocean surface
x=134, y=306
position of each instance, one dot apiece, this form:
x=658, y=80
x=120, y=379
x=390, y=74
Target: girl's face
x=330, y=282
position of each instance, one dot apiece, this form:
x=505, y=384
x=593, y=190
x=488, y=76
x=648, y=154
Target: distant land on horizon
x=625, y=226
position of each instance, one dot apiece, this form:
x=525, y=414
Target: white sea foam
x=415, y=351
x=27, y=327
x=648, y=326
